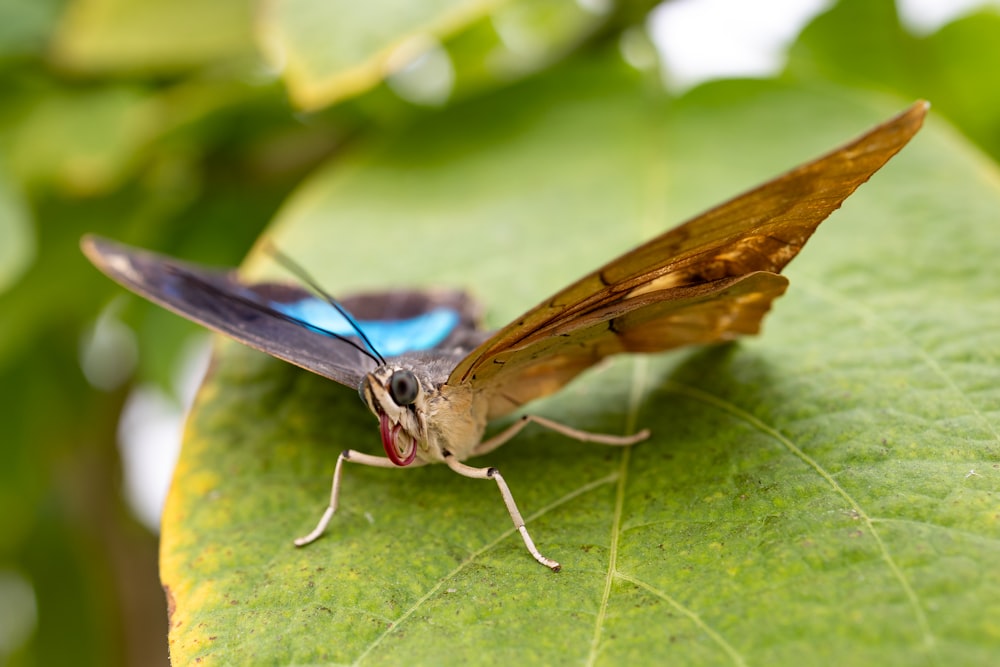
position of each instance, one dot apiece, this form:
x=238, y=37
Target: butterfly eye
x=403, y=387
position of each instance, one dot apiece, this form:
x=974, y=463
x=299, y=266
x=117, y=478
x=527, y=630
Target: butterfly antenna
x=296, y=270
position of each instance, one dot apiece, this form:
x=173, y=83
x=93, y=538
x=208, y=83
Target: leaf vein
x=873, y=318
x=579, y=491
x=950, y=530
x=612, y=558
x=640, y=371
x=739, y=413
x=733, y=654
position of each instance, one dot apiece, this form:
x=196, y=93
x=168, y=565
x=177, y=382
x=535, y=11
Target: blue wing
x=390, y=337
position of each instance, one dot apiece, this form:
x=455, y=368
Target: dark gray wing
x=245, y=312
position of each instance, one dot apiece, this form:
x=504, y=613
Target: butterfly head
x=397, y=397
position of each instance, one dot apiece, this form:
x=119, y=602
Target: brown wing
x=710, y=279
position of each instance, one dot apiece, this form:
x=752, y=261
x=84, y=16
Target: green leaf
x=329, y=51
x=807, y=496
x=861, y=42
x=17, y=236
x=153, y=36
x=25, y=26
x=84, y=142
x=960, y=58
x=857, y=41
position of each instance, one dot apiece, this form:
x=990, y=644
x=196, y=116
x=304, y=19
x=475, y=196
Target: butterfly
x=434, y=379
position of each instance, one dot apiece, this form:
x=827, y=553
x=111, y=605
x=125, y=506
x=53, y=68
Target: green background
x=827, y=492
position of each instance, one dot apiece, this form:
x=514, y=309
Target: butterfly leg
x=569, y=432
x=346, y=455
x=508, y=499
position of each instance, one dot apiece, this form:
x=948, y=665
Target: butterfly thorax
x=420, y=416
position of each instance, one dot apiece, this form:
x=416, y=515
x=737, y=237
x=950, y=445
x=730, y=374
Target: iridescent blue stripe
x=390, y=337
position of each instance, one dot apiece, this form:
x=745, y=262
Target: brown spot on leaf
x=171, y=605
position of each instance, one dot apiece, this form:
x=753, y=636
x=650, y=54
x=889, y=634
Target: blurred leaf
x=64, y=526
x=861, y=42
x=17, y=236
x=806, y=498
x=329, y=50
x=90, y=140
x=961, y=62
x=194, y=168
x=188, y=178
x=332, y=50
x=153, y=36
x=25, y=26
x=198, y=194
x=519, y=38
x=84, y=142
